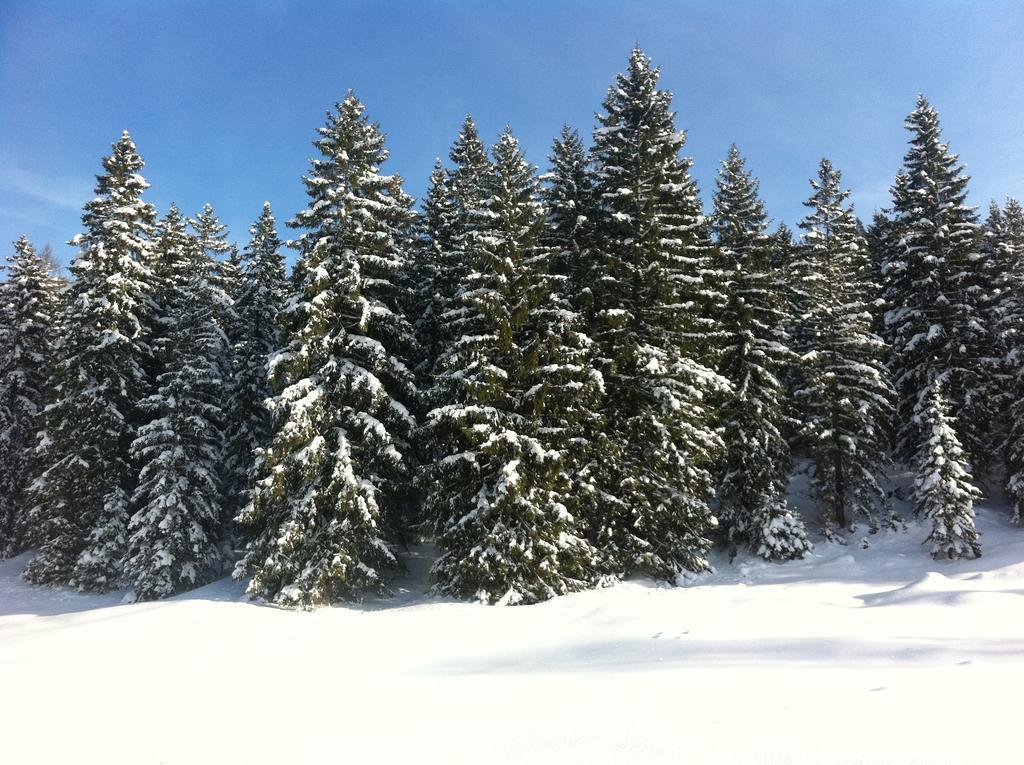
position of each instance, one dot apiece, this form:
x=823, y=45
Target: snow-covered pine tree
x=1007, y=236
x=570, y=388
x=432, y=296
x=1003, y=308
x=846, y=399
x=28, y=307
x=446, y=236
x=226, y=275
x=173, y=535
x=168, y=262
x=471, y=176
x=261, y=295
x=211, y=234
x=784, y=270
x=935, y=289
x=449, y=230
x=655, y=482
x=81, y=498
x=783, y=262
x=752, y=490
x=570, y=203
x=943, y=491
x=225, y=281
x=498, y=488
x=385, y=342
x=878, y=237
x=337, y=462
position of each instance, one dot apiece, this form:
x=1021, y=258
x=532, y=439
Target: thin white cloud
x=57, y=192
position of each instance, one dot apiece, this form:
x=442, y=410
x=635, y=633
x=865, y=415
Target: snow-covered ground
x=874, y=655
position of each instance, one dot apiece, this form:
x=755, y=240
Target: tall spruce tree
x=168, y=262
x=936, y=286
x=943, y=492
x=260, y=297
x=449, y=230
x=432, y=295
x=571, y=388
x=570, y=203
x=1006, y=233
x=225, y=270
x=846, y=400
x=752, y=490
x=499, y=487
x=656, y=481
x=878, y=236
x=1004, y=315
x=81, y=498
x=28, y=306
x=337, y=461
x=787, y=280
x=226, y=275
x=173, y=535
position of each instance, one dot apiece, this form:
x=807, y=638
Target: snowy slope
x=855, y=655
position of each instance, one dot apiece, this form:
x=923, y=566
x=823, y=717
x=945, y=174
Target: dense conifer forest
x=561, y=378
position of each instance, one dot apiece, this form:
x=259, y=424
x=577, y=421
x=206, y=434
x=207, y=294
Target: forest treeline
x=562, y=379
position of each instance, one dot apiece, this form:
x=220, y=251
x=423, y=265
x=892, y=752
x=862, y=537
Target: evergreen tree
x=261, y=296
x=846, y=400
x=878, y=237
x=943, y=491
x=168, y=262
x=784, y=266
x=172, y=544
x=80, y=501
x=211, y=234
x=28, y=304
x=450, y=231
x=432, y=294
x=499, y=489
x=1006, y=234
x=225, y=268
x=571, y=218
x=447, y=231
x=226, y=276
x=337, y=465
x=655, y=482
x=169, y=259
x=935, y=288
x=752, y=491
x=1004, y=311
x=570, y=388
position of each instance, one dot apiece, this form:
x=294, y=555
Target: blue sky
x=223, y=98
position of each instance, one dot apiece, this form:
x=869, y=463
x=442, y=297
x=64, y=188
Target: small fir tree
x=943, y=492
